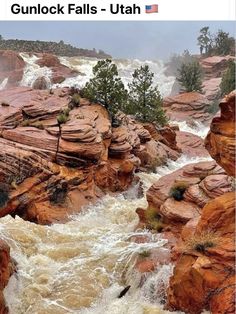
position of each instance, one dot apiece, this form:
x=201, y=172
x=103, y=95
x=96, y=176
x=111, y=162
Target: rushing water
x=81, y=266
x=84, y=65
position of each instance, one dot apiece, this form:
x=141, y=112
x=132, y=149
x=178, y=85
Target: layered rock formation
x=220, y=141
x=195, y=106
x=187, y=107
x=201, y=182
x=49, y=172
x=213, y=70
x=204, y=275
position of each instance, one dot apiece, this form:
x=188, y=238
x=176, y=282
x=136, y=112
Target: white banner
x=109, y=10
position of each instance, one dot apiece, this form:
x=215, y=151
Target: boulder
x=187, y=107
x=59, y=71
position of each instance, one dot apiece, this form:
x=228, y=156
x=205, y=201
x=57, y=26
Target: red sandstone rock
x=60, y=71
x=204, y=280
x=5, y=273
x=191, y=144
x=187, y=107
x=220, y=141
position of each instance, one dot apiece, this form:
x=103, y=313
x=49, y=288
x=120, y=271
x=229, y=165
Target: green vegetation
x=228, y=80
x=60, y=48
x=145, y=254
x=215, y=44
x=178, y=189
x=214, y=107
x=201, y=242
x=205, y=40
x=75, y=101
x=154, y=220
x=224, y=45
x=106, y=86
x=190, y=76
x=145, y=101
x=4, y=194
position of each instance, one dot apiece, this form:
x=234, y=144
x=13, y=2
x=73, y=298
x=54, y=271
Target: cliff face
x=220, y=141
x=46, y=173
x=195, y=106
x=204, y=275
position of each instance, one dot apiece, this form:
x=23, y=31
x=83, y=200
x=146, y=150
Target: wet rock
x=40, y=83
x=187, y=106
x=205, y=280
x=59, y=71
x=202, y=182
x=191, y=144
x=220, y=141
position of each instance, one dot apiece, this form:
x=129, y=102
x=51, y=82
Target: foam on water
x=32, y=70
x=81, y=266
x=84, y=65
x=4, y=83
x=199, y=128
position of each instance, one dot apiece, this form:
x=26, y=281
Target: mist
x=142, y=40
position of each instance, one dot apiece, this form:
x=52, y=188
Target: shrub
x=201, y=242
x=227, y=84
x=62, y=118
x=178, y=189
x=153, y=219
x=25, y=122
x=224, y=45
x=4, y=194
x=145, y=254
x=38, y=125
x=75, y=100
x=214, y=107
x=190, y=76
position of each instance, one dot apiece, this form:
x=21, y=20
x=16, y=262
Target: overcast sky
x=143, y=40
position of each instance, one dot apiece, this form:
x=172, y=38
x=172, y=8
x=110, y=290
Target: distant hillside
x=60, y=49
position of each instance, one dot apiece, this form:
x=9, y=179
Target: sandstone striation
x=50, y=173
x=187, y=107
x=220, y=141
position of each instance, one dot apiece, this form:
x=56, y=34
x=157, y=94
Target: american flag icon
x=153, y=8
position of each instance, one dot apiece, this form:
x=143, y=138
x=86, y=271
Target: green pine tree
x=145, y=101
x=228, y=80
x=190, y=76
x=106, y=86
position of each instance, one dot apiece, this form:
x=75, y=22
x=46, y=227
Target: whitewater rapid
x=84, y=66
x=81, y=266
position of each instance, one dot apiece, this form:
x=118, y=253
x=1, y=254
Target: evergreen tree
x=190, y=76
x=145, y=101
x=106, y=86
x=224, y=45
x=228, y=80
x=205, y=39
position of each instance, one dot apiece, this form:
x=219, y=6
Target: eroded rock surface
x=51, y=173
x=220, y=141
